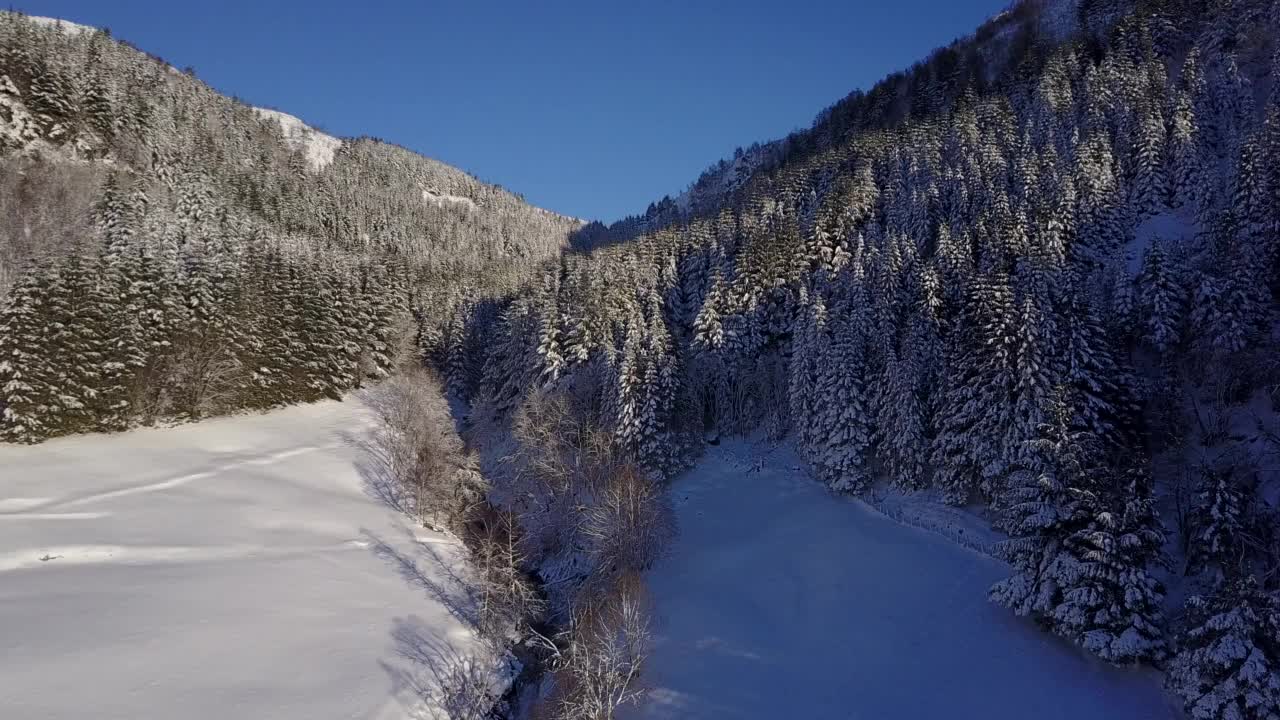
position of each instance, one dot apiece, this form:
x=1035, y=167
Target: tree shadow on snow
x=432, y=678
x=374, y=467
x=432, y=572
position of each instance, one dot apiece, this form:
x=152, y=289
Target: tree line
x=125, y=329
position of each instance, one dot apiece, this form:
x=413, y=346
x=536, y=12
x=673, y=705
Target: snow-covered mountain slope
x=781, y=599
x=1054, y=21
x=235, y=569
x=85, y=107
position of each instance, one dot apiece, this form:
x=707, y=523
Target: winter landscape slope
x=756, y=617
x=981, y=280
x=239, y=568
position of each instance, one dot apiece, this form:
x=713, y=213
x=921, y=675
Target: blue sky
x=593, y=109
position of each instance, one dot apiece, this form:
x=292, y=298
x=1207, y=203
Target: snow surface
x=317, y=146
x=237, y=568
x=782, y=600
x=441, y=199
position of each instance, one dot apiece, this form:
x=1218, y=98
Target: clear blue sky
x=590, y=108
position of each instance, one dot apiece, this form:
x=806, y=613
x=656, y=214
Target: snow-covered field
x=781, y=600
x=238, y=568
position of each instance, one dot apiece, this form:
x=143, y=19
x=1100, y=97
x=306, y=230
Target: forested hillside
x=1035, y=274
x=169, y=252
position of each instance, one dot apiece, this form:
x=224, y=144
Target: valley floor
x=237, y=568
x=781, y=600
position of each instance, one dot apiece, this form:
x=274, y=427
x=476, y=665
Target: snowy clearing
x=783, y=600
x=318, y=147
x=238, y=568
x=436, y=197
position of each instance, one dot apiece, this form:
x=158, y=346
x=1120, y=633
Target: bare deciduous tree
x=464, y=689
x=629, y=522
x=420, y=453
x=600, y=655
x=506, y=597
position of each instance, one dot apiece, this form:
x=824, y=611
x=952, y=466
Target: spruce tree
x=1111, y=605
x=1219, y=524
x=1161, y=299
x=1227, y=666
x=900, y=420
x=1081, y=553
x=78, y=341
x=975, y=421
x=28, y=378
x=841, y=423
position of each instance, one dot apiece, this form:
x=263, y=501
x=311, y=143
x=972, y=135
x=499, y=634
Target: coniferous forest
x=1035, y=274
x=195, y=256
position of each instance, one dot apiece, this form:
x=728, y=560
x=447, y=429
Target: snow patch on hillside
x=783, y=600
x=238, y=568
x=435, y=197
x=318, y=147
x=67, y=27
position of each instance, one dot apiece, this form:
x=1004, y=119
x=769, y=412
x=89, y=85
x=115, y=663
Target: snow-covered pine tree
x=1098, y=223
x=1190, y=156
x=976, y=411
x=206, y=358
x=900, y=420
x=807, y=341
x=1148, y=190
x=1081, y=553
x=1111, y=605
x=271, y=351
x=348, y=320
x=95, y=102
x=841, y=422
x=52, y=100
x=1217, y=323
x=631, y=421
x=155, y=313
x=320, y=327
x=1219, y=523
x=388, y=322
x=28, y=378
x=550, y=345
x=1043, y=504
x=77, y=341
x=708, y=327
x=1037, y=375
x=120, y=354
x=1227, y=665
x=1161, y=299
x=1099, y=386
x=658, y=450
